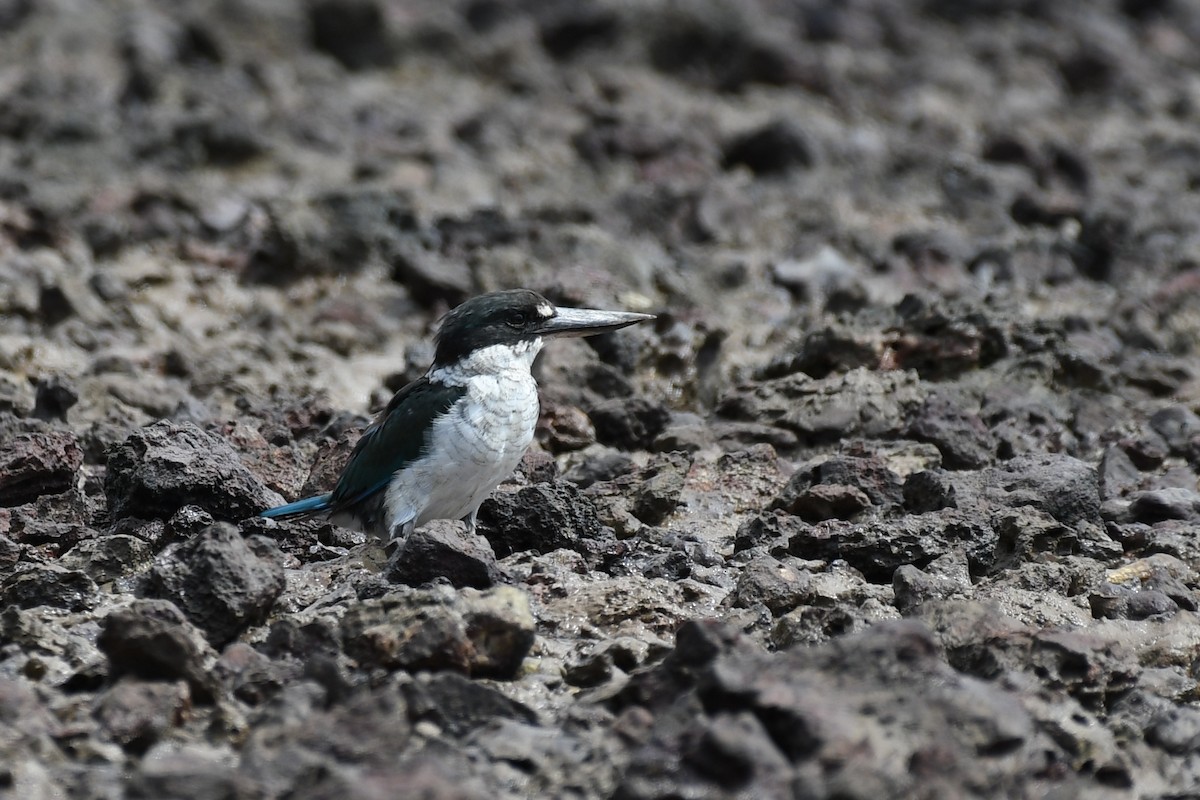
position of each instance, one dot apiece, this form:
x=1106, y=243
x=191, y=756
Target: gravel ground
x=897, y=498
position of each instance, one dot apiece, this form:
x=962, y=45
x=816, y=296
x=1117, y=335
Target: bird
x=447, y=439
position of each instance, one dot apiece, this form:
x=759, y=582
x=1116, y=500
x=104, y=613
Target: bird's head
x=521, y=320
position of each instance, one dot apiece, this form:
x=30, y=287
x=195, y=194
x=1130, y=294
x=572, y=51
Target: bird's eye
x=516, y=319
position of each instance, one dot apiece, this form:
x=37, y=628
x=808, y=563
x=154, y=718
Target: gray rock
x=1178, y=426
x=222, y=582
x=35, y=464
x=775, y=148
x=631, y=423
x=164, y=467
x=479, y=633
x=1118, y=473
x=878, y=547
x=443, y=549
x=107, y=558
x=962, y=437
x=151, y=639
x=49, y=585
x=191, y=770
x=135, y=714
x=459, y=705
x=858, y=403
x=1158, y=505
x=542, y=517
x=776, y=585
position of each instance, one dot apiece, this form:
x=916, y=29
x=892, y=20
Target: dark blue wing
x=398, y=436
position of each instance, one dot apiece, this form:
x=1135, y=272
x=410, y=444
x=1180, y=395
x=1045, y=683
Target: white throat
x=498, y=360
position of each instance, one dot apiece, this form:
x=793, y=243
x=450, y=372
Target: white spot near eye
x=545, y=310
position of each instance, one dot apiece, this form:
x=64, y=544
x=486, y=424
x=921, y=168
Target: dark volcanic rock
x=858, y=403
x=879, y=547
x=151, y=639
x=486, y=633
x=49, y=585
x=135, y=714
x=352, y=31
x=34, y=464
x=459, y=705
x=775, y=148
x=222, y=582
x=55, y=396
x=839, y=488
x=542, y=517
x=631, y=423
x=444, y=549
x=160, y=469
x=656, y=488
x=755, y=722
x=962, y=438
x=766, y=580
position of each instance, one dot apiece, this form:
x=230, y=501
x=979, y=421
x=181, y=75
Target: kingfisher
x=447, y=439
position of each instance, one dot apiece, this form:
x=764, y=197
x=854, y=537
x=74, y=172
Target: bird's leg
x=398, y=535
x=469, y=519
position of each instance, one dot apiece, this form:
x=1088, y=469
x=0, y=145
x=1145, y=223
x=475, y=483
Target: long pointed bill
x=588, y=321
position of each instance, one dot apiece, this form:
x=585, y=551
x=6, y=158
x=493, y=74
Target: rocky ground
x=897, y=498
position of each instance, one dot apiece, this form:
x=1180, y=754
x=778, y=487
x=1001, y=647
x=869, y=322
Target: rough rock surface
x=898, y=497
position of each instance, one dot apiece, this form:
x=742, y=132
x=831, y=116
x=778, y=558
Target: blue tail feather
x=309, y=505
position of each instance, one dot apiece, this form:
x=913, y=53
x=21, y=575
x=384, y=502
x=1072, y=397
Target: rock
x=36, y=464
x=596, y=464
x=1178, y=426
x=55, y=395
x=1156, y=586
x=354, y=32
x=10, y=553
x=913, y=587
x=821, y=278
x=656, y=488
x=565, y=428
x=187, y=769
x=151, y=639
x=253, y=678
x=49, y=585
x=135, y=714
x=1176, y=731
x=430, y=277
x=109, y=557
x=1063, y=487
x=485, y=633
x=777, y=147
x=776, y=585
x=500, y=626
x=443, y=549
x=630, y=423
x=1118, y=473
x=542, y=517
x=222, y=582
x=458, y=705
x=806, y=703
x=839, y=488
x=164, y=467
x=860, y=403
x=962, y=438
x=395, y=633
x=829, y=501
x=1157, y=505
x=565, y=34
x=929, y=490
x=878, y=547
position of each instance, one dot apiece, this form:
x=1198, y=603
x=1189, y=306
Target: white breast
x=477, y=444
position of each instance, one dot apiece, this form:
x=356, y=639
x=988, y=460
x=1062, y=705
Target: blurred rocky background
x=897, y=498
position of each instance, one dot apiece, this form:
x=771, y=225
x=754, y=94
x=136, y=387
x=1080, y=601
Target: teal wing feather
x=397, y=437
